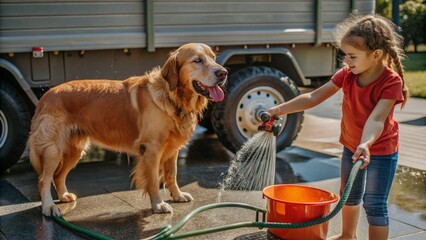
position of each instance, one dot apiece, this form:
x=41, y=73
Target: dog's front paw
x=51, y=210
x=162, y=208
x=67, y=207
x=183, y=197
x=68, y=197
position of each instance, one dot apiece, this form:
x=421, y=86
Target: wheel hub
x=251, y=103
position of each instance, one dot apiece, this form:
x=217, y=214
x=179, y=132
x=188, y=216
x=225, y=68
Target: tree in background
x=384, y=8
x=412, y=19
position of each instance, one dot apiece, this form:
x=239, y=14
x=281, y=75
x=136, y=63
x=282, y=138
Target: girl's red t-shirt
x=359, y=102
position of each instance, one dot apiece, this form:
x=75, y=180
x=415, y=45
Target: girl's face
x=358, y=60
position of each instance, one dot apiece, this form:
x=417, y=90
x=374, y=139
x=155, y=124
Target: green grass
x=415, y=61
x=416, y=83
x=415, y=74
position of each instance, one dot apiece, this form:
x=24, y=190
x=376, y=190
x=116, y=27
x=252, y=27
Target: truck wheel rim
x=250, y=103
x=3, y=129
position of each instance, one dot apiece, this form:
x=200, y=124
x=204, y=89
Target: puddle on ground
x=408, y=191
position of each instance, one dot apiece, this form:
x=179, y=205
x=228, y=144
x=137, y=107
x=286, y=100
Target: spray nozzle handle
x=270, y=123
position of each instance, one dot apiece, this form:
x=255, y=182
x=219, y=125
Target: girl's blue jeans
x=372, y=185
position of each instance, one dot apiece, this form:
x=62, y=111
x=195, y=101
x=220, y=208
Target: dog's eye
x=198, y=60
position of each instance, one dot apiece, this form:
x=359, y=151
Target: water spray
x=253, y=167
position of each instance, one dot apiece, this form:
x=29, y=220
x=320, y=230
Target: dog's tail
x=32, y=146
x=34, y=157
x=46, y=139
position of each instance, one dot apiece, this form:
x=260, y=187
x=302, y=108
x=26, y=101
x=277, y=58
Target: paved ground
x=108, y=206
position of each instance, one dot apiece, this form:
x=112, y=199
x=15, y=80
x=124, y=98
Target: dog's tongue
x=216, y=93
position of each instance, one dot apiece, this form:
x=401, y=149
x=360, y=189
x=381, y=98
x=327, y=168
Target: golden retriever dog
x=150, y=117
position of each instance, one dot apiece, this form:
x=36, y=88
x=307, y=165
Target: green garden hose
x=78, y=229
x=168, y=232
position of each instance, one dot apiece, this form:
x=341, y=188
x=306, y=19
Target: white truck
x=270, y=48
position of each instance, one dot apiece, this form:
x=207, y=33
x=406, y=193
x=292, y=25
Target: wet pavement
x=107, y=204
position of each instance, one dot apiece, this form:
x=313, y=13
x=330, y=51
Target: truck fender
x=19, y=79
x=288, y=64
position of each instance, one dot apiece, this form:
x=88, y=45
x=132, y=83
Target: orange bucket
x=289, y=203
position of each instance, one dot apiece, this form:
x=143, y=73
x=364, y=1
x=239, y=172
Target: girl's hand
x=362, y=153
x=274, y=111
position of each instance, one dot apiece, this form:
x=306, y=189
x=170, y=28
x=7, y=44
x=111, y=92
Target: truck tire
x=205, y=120
x=14, y=126
x=250, y=89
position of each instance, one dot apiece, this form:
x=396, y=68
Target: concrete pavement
x=412, y=121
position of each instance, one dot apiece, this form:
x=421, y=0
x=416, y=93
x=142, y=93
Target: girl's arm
x=306, y=100
x=373, y=128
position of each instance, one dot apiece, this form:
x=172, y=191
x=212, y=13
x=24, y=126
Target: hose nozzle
x=270, y=123
x=265, y=116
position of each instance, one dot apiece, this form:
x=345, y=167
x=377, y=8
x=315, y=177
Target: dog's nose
x=221, y=74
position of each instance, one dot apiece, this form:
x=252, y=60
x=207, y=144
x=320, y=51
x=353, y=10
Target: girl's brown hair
x=378, y=33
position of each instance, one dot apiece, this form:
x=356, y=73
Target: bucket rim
x=334, y=199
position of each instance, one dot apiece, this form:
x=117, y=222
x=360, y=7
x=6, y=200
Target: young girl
x=371, y=89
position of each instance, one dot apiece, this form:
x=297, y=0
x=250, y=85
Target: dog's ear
x=170, y=71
